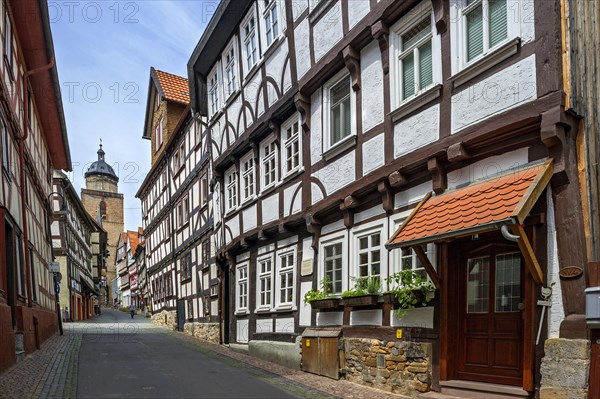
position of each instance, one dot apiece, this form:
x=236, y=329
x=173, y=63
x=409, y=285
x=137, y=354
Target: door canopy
x=501, y=202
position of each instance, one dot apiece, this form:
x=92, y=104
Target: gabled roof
x=134, y=239
x=172, y=87
x=478, y=207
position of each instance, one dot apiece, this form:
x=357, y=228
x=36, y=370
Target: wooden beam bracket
x=348, y=215
x=435, y=278
x=531, y=261
x=438, y=175
x=398, y=179
x=352, y=60
x=302, y=104
x=387, y=197
x=380, y=32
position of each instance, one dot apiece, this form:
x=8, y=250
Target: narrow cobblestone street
x=144, y=361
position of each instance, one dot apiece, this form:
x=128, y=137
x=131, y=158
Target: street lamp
x=57, y=276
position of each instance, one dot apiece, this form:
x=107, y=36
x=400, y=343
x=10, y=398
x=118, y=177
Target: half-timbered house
x=437, y=127
x=33, y=141
x=177, y=213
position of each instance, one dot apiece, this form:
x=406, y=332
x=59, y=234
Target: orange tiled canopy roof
x=175, y=87
x=479, y=204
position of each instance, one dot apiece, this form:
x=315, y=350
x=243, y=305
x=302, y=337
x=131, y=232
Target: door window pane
x=508, y=282
x=478, y=285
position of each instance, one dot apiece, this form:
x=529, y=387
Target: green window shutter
x=425, y=65
x=474, y=33
x=408, y=77
x=498, y=21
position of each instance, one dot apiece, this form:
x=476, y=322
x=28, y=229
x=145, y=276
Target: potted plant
x=365, y=293
x=322, y=299
x=408, y=289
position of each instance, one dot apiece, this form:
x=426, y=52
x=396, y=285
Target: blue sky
x=104, y=51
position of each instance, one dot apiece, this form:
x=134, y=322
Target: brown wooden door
x=491, y=327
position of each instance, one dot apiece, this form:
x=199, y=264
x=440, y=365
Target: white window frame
x=213, y=83
x=403, y=25
x=331, y=240
x=280, y=270
x=203, y=188
x=288, y=142
x=231, y=189
x=260, y=275
x=458, y=29
x=378, y=226
x=396, y=256
x=328, y=145
x=247, y=174
x=230, y=70
x=267, y=8
x=241, y=278
x=246, y=39
x=267, y=159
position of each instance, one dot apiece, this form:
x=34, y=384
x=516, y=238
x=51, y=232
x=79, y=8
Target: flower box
x=363, y=300
x=422, y=297
x=327, y=303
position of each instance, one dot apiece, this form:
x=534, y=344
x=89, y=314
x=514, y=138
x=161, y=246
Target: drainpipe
x=22, y=170
x=506, y=234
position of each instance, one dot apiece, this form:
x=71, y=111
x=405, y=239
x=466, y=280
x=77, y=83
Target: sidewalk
x=48, y=372
x=300, y=379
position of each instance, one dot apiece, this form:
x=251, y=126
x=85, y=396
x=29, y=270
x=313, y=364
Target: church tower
x=102, y=200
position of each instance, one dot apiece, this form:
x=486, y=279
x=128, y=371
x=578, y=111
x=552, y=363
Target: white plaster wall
x=251, y=93
x=488, y=167
x=298, y=7
x=337, y=174
x=287, y=241
x=242, y=257
x=526, y=14
x=305, y=309
x=330, y=318
x=302, y=42
x=417, y=131
x=327, y=31
x=249, y=218
x=506, y=89
x=264, y=325
x=371, y=77
x=316, y=194
x=357, y=9
x=412, y=195
x=284, y=325
x=307, y=251
x=274, y=66
x=233, y=113
x=369, y=213
x=234, y=227
x=270, y=208
x=417, y=317
x=216, y=134
x=242, y=331
x=316, y=147
x=288, y=194
x=373, y=154
x=330, y=228
x=556, y=312
x=370, y=317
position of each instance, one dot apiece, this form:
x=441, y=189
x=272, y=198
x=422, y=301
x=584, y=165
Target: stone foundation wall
x=204, y=331
x=565, y=369
x=166, y=318
x=396, y=366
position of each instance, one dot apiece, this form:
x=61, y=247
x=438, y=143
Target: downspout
x=22, y=172
x=507, y=234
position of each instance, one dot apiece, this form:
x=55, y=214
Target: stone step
x=436, y=395
x=472, y=389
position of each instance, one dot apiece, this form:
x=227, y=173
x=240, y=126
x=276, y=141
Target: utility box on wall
x=592, y=307
x=320, y=351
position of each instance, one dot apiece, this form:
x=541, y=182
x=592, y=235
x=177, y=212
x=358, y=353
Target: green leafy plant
x=324, y=292
x=370, y=285
x=409, y=288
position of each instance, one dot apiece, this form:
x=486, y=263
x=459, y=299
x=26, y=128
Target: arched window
x=102, y=209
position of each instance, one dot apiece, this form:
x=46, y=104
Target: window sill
x=409, y=106
x=242, y=312
x=267, y=190
x=230, y=212
x=285, y=308
x=231, y=97
x=247, y=201
x=215, y=116
x=319, y=9
x=289, y=176
x=486, y=62
x=340, y=147
x=263, y=310
x=271, y=47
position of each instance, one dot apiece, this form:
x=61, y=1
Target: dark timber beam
x=397, y=179
x=387, y=197
x=438, y=175
x=352, y=61
x=457, y=152
x=435, y=278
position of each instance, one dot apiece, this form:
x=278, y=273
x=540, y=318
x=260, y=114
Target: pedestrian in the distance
x=132, y=310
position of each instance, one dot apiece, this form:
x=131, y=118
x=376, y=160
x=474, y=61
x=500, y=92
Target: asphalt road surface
x=125, y=358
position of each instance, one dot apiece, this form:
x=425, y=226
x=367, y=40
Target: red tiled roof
x=478, y=204
x=133, y=240
x=174, y=87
